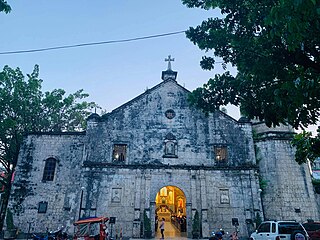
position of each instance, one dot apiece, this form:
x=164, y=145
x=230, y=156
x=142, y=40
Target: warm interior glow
x=163, y=192
x=171, y=204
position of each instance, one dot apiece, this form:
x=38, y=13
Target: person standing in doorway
x=162, y=228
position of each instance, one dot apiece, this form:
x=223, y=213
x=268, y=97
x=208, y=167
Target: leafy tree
x=24, y=108
x=274, y=44
x=308, y=147
x=4, y=6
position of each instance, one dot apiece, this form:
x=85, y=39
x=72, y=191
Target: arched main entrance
x=171, y=205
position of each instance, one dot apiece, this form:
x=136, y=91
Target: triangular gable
x=148, y=91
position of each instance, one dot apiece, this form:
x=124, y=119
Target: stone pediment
x=148, y=92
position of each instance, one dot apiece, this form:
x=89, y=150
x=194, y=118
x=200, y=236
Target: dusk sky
x=115, y=73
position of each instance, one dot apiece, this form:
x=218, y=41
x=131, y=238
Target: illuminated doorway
x=171, y=205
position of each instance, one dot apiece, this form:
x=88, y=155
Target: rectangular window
x=42, y=207
x=289, y=227
x=119, y=153
x=220, y=155
x=264, y=228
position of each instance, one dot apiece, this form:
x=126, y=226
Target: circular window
x=170, y=114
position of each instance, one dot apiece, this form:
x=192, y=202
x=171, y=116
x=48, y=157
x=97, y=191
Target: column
x=189, y=219
x=137, y=204
x=193, y=202
x=152, y=217
x=204, y=206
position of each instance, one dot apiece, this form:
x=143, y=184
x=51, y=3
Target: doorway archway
x=170, y=204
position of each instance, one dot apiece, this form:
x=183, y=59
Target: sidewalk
x=169, y=238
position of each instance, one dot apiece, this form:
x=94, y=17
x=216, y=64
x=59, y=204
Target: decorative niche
x=170, y=146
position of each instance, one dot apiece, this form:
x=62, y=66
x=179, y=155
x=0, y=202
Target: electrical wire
x=90, y=44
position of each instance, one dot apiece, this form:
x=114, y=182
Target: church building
x=158, y=157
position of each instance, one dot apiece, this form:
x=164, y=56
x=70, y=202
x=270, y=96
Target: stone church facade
x=117, y=167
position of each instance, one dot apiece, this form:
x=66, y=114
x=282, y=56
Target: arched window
x=49, y=169
x=170, y=148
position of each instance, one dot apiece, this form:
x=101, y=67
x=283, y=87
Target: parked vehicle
x=93, y=228
x=280, y=230
x=51, y=235
x=313, y=229
x=217, y=235
x=40, y=237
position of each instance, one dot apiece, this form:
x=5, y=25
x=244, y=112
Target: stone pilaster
x=152, y=216
x=137, y=205
x=204, y=206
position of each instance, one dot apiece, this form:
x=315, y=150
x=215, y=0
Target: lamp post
x=81, y=198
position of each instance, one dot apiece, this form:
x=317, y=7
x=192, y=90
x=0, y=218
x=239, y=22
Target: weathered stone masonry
x=146, y=127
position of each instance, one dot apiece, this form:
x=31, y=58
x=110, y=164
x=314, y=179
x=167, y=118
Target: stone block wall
x=61, y=195
x=126, y=189
x=143, y=126
x=218, y=196
x=289, y=193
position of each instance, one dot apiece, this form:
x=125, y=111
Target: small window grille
x=49, y=169
x=42, y=207
x=119, y=153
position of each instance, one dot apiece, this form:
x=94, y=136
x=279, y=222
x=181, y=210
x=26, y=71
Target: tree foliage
x=308, y=147
x=24, y=108
x=4, y=6
x=274, y=44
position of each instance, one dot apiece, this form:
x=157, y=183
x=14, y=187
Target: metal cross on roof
x=169, y=60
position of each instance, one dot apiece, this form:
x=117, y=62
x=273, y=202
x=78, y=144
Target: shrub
x=196, y=225
x=147, y=225
x=9, y=220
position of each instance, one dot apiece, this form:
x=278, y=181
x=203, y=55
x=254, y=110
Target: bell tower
x=287, y=191
x=169, y=74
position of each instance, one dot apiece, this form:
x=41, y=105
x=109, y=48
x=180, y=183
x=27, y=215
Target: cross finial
x=169, y=60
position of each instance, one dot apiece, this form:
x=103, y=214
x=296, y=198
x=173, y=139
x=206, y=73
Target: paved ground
x=168, y=238
x=170, y=233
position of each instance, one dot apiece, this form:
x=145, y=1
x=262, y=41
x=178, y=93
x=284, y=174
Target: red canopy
x=92, y=220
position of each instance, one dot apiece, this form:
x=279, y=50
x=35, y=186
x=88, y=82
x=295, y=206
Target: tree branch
x=300, y=58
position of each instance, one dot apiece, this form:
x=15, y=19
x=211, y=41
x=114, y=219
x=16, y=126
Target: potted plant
x=11, y=231
x=196, y=226
x=147, y=225
x=257, y=220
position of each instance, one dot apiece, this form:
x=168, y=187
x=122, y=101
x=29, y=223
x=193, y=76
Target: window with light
x=119, y=153
x=221, y=155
